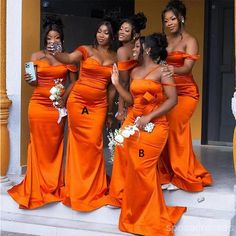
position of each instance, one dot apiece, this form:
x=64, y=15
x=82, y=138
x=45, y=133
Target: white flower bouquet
x=56, y=92
x=119, y=136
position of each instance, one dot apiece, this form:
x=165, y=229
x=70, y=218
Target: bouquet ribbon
x=62, y=113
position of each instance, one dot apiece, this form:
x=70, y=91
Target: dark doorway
x=80, y=17
x=219, y=74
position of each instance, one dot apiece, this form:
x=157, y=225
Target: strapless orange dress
x=119, y=165
x=85, y=176
x=143, y=209
x=43, y=182
x=179, y=164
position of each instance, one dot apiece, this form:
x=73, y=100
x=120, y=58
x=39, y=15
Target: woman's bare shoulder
x=37, y=55
x=189, y=38
x=123, y=53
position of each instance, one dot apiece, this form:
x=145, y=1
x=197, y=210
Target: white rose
x=119, y=138
x=126, y=133
x=53, y=90
x=52, y=97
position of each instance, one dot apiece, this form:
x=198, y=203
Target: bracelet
x=119, y=114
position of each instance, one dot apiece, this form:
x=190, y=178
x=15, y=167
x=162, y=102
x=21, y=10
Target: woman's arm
x=111, y=93
x=122, y=55
x=72, y=79
x=167, y=105
x=121, y=90
x=192, y=49
x=68, y=58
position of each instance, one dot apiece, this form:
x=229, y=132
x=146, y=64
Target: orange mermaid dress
x=85, y=177
x=179, y=164
x=143, y=209
x=116, y=186
x=43, y=182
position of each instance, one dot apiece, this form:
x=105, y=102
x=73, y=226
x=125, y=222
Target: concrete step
x=204, y=200
x=195, y=222
x=56, y=219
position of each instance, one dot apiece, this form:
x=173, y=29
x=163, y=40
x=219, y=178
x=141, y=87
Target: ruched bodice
x=46, y=75
x=185, y=84
x=91, y=87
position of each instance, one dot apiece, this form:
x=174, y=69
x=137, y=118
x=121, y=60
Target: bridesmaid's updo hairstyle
x=52, y=23
x=137, y=22
x=157, y=42
x=179, y=10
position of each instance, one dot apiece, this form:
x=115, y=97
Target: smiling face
x=137, y=50
x=53, y=37
x=171, y=22
x=125, y=32
x=103, y=36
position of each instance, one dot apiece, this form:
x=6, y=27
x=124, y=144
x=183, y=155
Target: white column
x=13, y=78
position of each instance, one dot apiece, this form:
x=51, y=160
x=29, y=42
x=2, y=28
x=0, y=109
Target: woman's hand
x=115, y=75
x=28, y=78
x=61, y=103
x=54, y=48
x=109, y=121
x=120, y=115
x=167, y=71
x=142, y=121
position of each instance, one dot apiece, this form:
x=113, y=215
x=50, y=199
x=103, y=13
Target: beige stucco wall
x=30, y=44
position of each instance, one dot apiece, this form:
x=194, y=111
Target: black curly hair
x=52, y=23
x=179, y=10
x=157, y=42
x=137, y=22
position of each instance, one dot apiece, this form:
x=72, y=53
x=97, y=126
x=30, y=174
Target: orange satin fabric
x=126, y=65
x=85, y=177
x=119, y=166
x=43, y=182
x=179, y=164
x=143, y=209
x=185, y=84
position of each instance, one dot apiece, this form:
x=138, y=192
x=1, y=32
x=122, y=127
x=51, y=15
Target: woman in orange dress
x=129, y=31
x=179, y=165
x=143, y=209
x=43, y=182
x=89, y=100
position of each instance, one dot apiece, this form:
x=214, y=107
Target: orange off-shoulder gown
x=85, y=177
x=116, y=186
x=179, y=164
x=143, y=209
x=43, y=182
